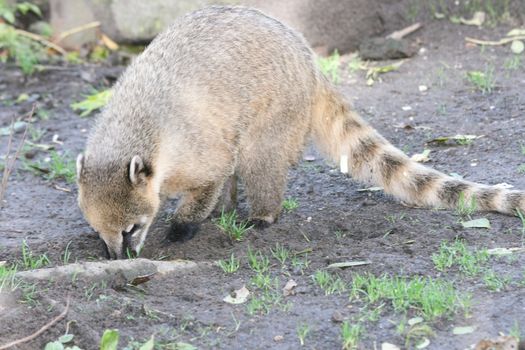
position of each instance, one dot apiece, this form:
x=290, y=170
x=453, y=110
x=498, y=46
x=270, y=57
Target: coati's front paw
x=181, y=232
x=262, y=223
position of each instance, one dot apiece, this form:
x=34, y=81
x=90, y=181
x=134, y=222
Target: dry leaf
x=141, y=279
x=344, y=264
x=289, y=288
x=388, y=346
x=421, y=157
x=464, y=330
x=110, y=44
x=370, y=189
x=516, y=32
x=517, y=47
x=237, y=297
x=505, y=251
x=500, y=343
x=477, y=19
x=477, y=223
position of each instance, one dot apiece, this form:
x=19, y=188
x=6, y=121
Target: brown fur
x=229, y=92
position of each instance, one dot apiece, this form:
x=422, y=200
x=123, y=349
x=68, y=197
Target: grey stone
x=326, y=24
x=128, y=269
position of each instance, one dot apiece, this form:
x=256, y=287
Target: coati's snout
x=118, y=201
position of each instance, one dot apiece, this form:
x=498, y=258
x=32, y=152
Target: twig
x=40, y=331
x=495, y=43
x=76, y=30
x=42, y=40
x=10, y=162
x=399, y=34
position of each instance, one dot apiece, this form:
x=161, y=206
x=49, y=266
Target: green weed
x=290, y=204
x=457, y=254
x=231, y=265
x=329, y=66
x=329, y=283
x=229, y=225
x=92, y=102
x=257, y=261
x=350, y=335
x=430, y=298
x=26, y=53
x=483, y=81
x=494, y=282
x=302, y=332
x=8, y=280
x=465, y=208
x=281, y=254
x=30, y=261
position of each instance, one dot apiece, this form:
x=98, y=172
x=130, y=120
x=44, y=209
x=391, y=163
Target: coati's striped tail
x=350, y=141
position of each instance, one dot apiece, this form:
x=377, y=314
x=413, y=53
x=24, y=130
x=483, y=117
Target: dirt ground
x=334, y=222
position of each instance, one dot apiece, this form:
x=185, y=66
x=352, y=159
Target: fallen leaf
x=517, y=47
x=477, y=19
x=309, y=158
x=388, y=346
x=110, y=44
x=477, y=223
x=344, y=264
x=289, y=288
x=500, y=343
x=42, y=146
x=423, y=344
x=237, y=297
x=516, y=31
x=504, y=185
x=456, y=176
x=464, y=330
x=421, y=157
x=22, y=97
x=458, y=138
x=17, y=127
x=415, y=320
x=370, y=189
x=141, y=279
x=503, y=251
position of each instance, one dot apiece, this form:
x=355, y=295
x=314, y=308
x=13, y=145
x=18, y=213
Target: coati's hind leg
x=196, y=205
x=264, y=179
x=228, y=199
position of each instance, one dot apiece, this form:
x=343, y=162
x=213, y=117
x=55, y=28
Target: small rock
x=278, y=338
x=42, y=28
x=19, y=126
x=309, y=158
x=385, y=49
x=337, y=317
x=423, y=88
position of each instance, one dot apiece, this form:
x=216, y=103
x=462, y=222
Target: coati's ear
x=80, y=164
x=137, y=171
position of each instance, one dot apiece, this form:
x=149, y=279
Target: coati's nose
x=110, y=253
x=127, y=246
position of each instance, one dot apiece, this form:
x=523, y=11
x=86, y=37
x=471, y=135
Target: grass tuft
x=229, y=225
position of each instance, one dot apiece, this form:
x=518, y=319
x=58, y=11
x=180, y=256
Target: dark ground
x=189, y=307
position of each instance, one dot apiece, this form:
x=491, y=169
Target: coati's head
x=118, y=200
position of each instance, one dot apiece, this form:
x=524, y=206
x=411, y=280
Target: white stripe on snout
x=130, y=227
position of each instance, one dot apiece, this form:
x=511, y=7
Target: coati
x=230, y=91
